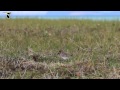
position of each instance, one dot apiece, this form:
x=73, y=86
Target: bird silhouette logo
x=8, y=14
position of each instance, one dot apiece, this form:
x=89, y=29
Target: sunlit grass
x=95, y=46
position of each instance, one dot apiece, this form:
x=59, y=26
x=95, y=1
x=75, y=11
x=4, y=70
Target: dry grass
x=29, y=47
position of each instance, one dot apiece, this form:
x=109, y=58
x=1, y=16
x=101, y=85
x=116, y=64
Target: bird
x=33, y=54
x=8, y=14
x=30, y=51
x=63, y=55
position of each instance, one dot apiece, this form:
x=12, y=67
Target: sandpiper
x=33, y=54
x=63, y=55
x=30, y=51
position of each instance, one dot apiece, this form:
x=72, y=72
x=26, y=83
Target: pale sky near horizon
x=60, y=13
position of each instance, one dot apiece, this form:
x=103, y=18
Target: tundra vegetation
x=29, y=49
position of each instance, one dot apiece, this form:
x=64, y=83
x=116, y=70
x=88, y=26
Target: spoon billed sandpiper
x=33, y=54
x=30, y=51
x=63, y=55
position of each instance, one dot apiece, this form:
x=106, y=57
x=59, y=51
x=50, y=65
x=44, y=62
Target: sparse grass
x=95, y=46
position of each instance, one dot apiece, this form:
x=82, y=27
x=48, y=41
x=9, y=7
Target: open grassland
x=94, y=45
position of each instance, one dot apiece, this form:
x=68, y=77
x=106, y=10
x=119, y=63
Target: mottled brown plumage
x=63, y=55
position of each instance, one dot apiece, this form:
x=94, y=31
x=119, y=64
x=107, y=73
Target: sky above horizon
x=60, y=13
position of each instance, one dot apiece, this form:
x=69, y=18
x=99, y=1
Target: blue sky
x=60, y=13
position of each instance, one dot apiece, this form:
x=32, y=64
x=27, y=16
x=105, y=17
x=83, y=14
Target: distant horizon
x=62, y=13
x=96, y=15
x=58, y=15
x=91, y=17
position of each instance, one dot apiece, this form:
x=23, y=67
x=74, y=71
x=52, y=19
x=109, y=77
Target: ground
x=94, y=45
